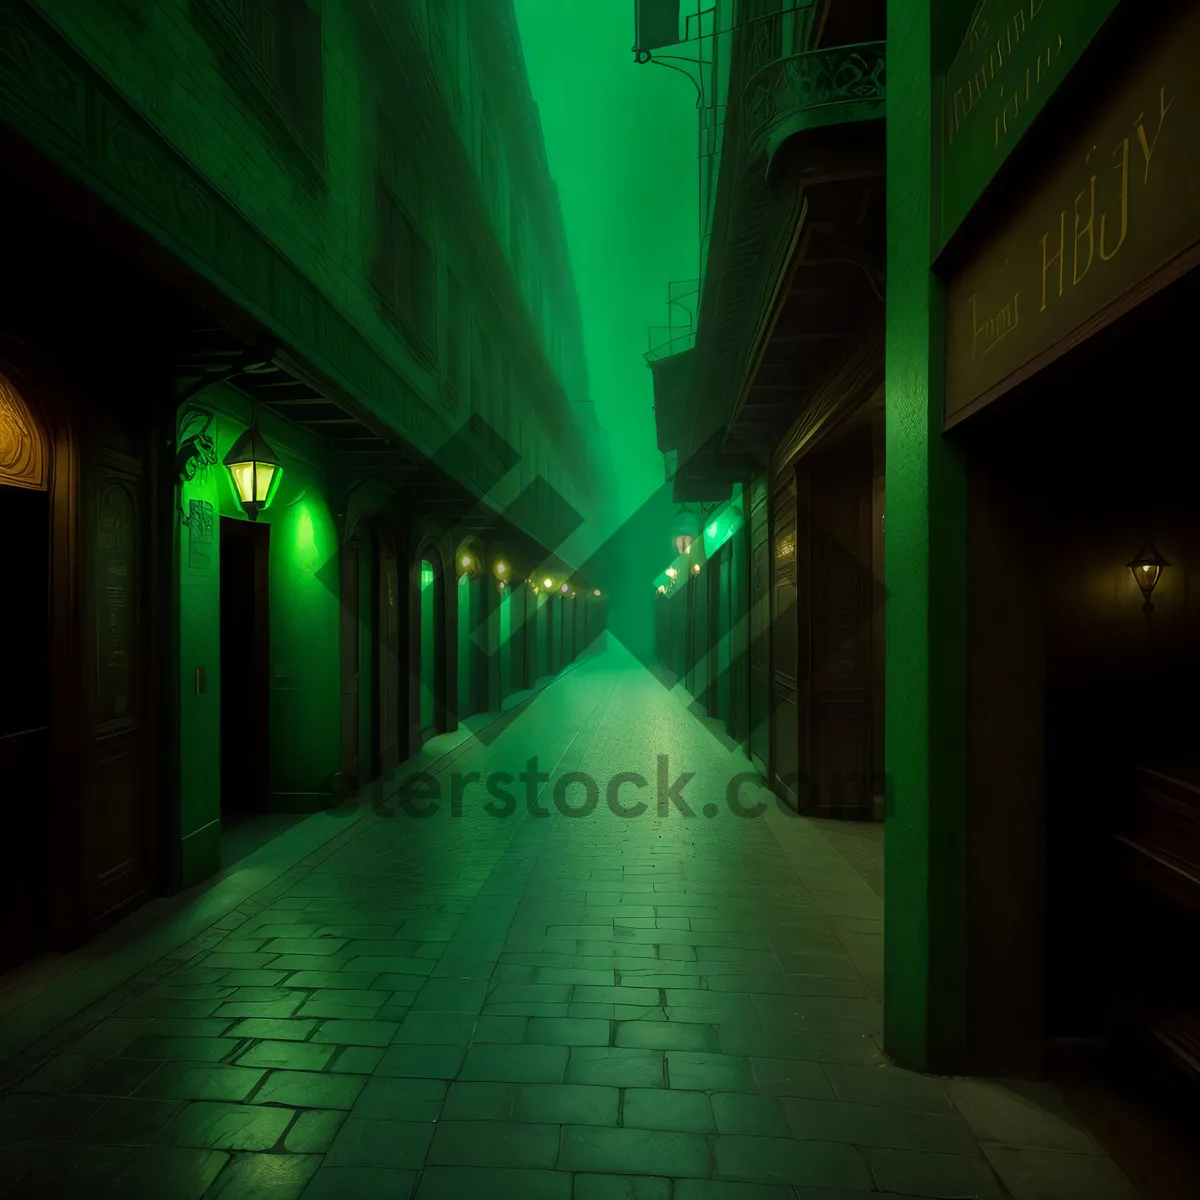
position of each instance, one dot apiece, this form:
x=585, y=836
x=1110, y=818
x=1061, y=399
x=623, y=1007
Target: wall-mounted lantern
x=1147, y=569
x=671, y=572
x=564, y=587
x=596, y=592
x=695, y=568
x=254, y=467
x=501, y=569
x=547, y=583
x=662, y=589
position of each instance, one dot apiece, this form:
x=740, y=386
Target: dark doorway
x=24, y=722
x=245, y=670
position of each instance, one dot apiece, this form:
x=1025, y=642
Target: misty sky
x=621, y=140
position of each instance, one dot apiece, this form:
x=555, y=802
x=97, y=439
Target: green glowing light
x=426, y=575
x=304, y=529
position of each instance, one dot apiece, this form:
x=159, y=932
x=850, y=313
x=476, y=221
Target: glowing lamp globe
x=1147, y=569
x=687, y=528
x=254, y=467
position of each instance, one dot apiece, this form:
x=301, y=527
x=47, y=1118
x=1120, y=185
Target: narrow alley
x=601, y=600
x=576, y=1005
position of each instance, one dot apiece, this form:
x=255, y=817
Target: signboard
x=656, y=25
x=1016, y=52
x=1119, y=201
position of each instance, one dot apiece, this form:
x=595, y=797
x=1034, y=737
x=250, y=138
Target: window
x=517, y=244
x=492, y=186
x=271, y=53
x=403, y=271
x=479, y=380
x=764, y=32
x=454, y=331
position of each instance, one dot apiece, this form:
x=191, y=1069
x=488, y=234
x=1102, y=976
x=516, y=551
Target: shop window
x=271, y=53
x=403, y=271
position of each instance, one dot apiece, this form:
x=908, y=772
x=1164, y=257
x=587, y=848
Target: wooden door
x=760, y=633
x=554, y=614
x=842, y=600
x=701, y=656
x=721, y=635
x=26, y=864
x=387, y=628
x=350, y=638
x=245, y=668
x=785, y=711
x=543, y=635
x=117, y=844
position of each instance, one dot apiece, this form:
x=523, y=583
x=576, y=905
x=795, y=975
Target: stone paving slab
x=575, y=1007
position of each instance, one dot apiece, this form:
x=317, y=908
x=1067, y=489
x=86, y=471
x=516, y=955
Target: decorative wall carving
x=24, y=460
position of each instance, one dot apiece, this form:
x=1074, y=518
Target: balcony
x=826, y=104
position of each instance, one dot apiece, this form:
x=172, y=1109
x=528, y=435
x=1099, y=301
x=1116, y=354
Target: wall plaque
x=1117, y=203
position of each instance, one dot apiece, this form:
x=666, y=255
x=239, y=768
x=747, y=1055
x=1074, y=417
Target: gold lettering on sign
x=1026, y=88
x=1090, y=243
x=991, y=331
x=996, y=52
x=1047, y=262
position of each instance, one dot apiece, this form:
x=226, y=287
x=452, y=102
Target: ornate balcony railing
x=806, y=91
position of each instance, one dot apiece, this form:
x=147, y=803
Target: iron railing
x=816, y=83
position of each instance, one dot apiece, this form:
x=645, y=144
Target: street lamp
x=253, y=466
x=1147, y=568
x=686, y=530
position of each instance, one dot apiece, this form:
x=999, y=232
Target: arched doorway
x=472, y=684
x=430, y=644
x=388, y=650
x=25, y=709
x=505, y=646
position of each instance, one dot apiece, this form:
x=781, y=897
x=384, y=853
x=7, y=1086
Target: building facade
x=1007, y=686
x=773, y=417
x=327, y=231
x=1042, y=243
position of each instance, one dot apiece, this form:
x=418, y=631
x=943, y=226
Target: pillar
x=925, y=936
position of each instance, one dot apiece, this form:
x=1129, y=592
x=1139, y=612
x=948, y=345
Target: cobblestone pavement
x=655, y=1007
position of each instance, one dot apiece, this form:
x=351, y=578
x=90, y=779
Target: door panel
x=760, y=635
x=349, y=636
x=387, y=626
x=701, y=659
x=785, y=712
x=842, y=592
x=721, y=635
x=117, y=827
x=26, y=864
